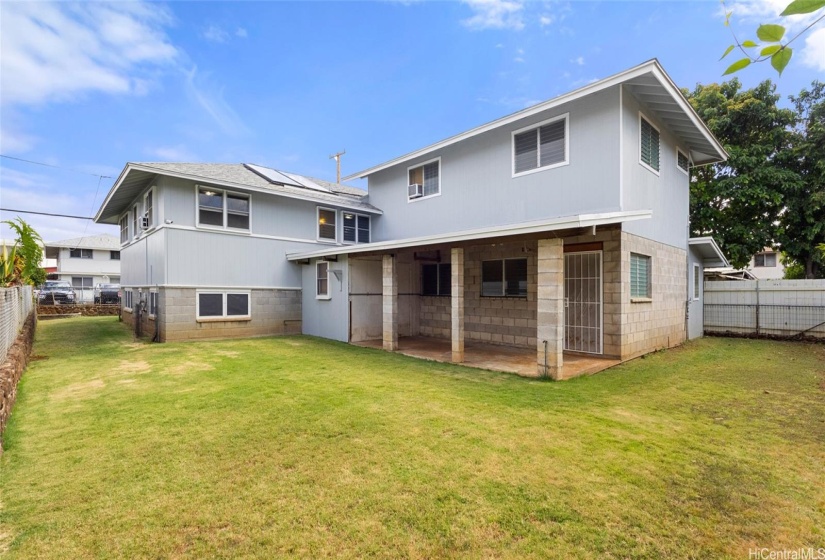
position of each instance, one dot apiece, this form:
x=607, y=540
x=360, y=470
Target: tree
x=802, y=224
x=21, y=265
x=739, y=201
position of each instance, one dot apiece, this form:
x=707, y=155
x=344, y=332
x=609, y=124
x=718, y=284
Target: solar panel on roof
x=308, y=183
x=272, y=175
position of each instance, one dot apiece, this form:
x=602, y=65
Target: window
x=649, y=144
x=697, y=280
x=326, y=225
x=82, y=282
x=639, y=276
x=148, y=207
x=764, y=260
x=135, y=222
x=356, y=228
x=541, y=146
x=223, y=305
x=428, y=175
x=127, y=299
x=682, y=161
x=114, y=255
x=223, y=209
x=124, y=229
x=80, y=253
x=322, y=279
x=436, y=279
x=504, y=278
x=153, y=304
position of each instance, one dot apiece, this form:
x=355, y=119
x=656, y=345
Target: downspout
x=545, y=358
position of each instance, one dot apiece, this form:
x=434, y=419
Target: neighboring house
x=85, y=262
x=767, y=265
x=561, y=228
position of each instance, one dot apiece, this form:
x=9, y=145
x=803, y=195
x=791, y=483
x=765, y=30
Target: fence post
x=757, y=308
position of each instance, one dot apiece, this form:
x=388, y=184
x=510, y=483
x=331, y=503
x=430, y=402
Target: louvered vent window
x=649, y=145
x=542, y=146
x=639, y=276
x=682, y=161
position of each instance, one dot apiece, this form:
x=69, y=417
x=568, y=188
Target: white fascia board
x=228, y=184
x=582, y=220
x=710, y=243
x=651, y=66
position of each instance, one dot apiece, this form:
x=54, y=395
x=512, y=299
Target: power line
x=55, y=166
x=44, y=214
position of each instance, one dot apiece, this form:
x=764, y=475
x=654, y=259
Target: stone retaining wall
x=87, y=310
x=12, y=369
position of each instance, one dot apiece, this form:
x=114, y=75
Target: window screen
x=515, y=277
x=639, y=276
x=540, y=147
x=82, y=281
x=492, y=278
x=322, y=277
x=237, y=304
x=326, y=224
x=363, y=229
x=80, y=253
x=210, y=207
x=436, y=279
x=210, y=305
x=697, y=279
x=237, y=211
x=649, y=145
x=428, y=176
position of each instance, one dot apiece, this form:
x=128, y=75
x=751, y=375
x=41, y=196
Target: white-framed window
x=81, y=253
x=114, y=255
x=648, y=145
x=234, y=304
x=149, y=207
x=540, y=146
x=424, y=180
x=223, y=209
x=124, y=229
x=322, y=280
x=504, y=278
x=135, y=222
x=682, y=161
x=356, y=227
x=767, y=259
x=127, y=299
x=83, y=282
x=697, y=281
x=436, y=279
x=639, y=276
x=153, y=303
x=327, y=224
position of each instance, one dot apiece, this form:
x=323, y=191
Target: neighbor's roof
x=712, y=255
x=647, y=81
x=135, y=177
x=97, y=241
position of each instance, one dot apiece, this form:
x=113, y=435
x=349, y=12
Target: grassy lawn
x=294, y=446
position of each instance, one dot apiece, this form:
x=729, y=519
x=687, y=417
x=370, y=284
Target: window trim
x=224, y=317
x=566, y=117
x=124, y=217
x=135, y=221
x=644, y=117
x=437, y=266
x=407, y=180
x=687, y=157
x=318, y=237
x=153, y=292
x=764, y=255
x=503, y=278
x=357, y=240
x=90, y=257
x=128, y=299
x=649, y=292
x=224, y=226
x=696, y=282
x=150, y=190
x=319, y=295
x=112, y=256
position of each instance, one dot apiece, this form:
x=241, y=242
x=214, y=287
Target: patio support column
x=550, y=307
x=457, y=303
x=390, y=303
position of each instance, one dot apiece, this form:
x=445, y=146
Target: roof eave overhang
x=567, y=222
x=102, y=215
x=712, y=255
x=651, y=66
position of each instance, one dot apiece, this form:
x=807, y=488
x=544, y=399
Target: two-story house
x=85, y=262
x=559, y=229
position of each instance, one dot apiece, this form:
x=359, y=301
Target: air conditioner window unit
x=144, y=222
x=415, y=190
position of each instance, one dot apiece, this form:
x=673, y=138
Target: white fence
x=783, y=308
x=15, y=305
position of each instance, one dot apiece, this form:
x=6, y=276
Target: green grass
x=284, y=447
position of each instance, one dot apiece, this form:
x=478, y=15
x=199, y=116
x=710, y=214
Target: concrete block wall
x=660, y=322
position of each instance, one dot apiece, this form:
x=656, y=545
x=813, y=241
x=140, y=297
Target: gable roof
x=135, y=177
x=647, y=81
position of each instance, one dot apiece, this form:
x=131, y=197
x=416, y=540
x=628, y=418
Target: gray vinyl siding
x=667, y=194
x=479, y=191
x=327, y=318
x=695, y=308
x=143, y=262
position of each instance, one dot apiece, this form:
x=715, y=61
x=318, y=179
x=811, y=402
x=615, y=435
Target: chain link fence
x=15, y=306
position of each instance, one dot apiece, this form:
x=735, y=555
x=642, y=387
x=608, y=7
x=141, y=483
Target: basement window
x=223, y=305
x=639, y=276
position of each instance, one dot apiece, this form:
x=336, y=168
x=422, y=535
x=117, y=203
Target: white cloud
x=210, y=98
x=813, y=54
x=178, y=153
x=215, y=34
x=12, y=140
x=55, y=52
x=495, y=14
x=241, y=32
x=578, y=60
x=546, y=19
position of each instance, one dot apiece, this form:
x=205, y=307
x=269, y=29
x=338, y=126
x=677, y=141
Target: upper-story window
x=648, y=144
x=540, y=146
x=124, y=229
x=327, y=226
x=424, y=180
x=682, y=161
x=149, y=208
x=217, y=208
x=764, y=260
x=135, y=222
x=114, y=255
x=80, y=253
x=356, y=228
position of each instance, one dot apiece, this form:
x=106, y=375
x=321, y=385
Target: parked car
x=107, y=293
x=55, y=291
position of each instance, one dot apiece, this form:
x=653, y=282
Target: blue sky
x=89, y=87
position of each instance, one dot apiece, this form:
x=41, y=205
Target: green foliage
x=769, y=32
x=740, y=201
x=22, y=265
x=803, y=7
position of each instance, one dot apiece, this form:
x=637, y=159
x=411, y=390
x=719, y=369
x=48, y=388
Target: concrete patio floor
x=487, y=356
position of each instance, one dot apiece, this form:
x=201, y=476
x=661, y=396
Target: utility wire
x=55, y=166
x=44, y=214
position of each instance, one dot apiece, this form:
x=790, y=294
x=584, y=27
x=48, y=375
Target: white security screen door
x=583, y=302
